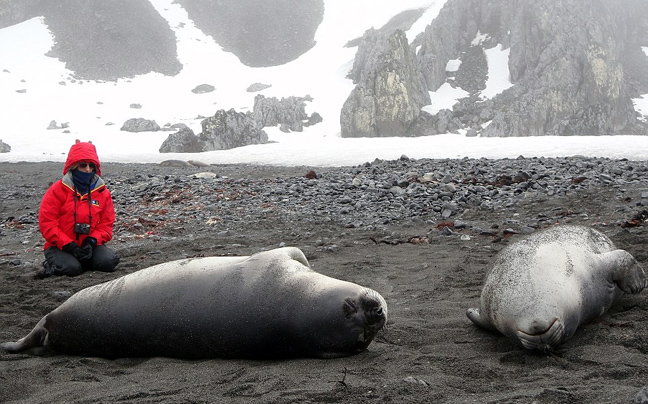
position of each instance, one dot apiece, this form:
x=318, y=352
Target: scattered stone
x=642, y=396
x=140, y=125
x=54, y=125
x=203, y=89
x=255, y=87
x=413, y=380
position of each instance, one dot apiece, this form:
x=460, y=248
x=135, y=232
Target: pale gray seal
x=268, y=305
x=541, y=288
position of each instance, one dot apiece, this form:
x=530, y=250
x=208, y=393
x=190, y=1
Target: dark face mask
x=82, y=180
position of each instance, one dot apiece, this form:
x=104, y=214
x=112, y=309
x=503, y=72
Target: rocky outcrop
x=389, y=92
x=225, y=130
x=140, y=125
x=103, y=40
x=289, y=113
x=230, y=129
x=575, y=64
x=259, y=33
x=183, y=141
x=4, y=148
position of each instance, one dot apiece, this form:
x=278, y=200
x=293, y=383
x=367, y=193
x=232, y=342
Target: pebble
x=642, y=396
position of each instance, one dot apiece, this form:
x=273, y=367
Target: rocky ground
x=421, y=232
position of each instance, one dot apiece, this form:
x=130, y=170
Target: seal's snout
x=375, y=315
x=543, y=339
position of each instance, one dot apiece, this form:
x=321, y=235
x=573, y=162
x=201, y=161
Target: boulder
x=256, y=87
x=230, y=129
x=183, y=141
x=203, y=88
x=4, y=148
x=140, y=125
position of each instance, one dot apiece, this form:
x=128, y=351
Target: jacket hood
x=82, y=151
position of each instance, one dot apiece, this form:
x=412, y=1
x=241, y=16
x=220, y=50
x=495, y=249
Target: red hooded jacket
x=56, y=215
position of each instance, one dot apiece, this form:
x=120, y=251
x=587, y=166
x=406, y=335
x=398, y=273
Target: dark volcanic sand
x=430, y=351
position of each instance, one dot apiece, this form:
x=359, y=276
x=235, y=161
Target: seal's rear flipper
x=475, y=317
x=627, y=273
x=33, y=344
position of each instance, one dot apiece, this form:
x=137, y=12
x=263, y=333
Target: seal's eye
x=349, y=307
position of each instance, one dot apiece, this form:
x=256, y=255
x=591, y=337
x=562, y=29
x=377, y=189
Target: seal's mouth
x=543, y=340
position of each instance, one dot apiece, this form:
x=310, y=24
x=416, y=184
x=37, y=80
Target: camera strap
x=76, y=194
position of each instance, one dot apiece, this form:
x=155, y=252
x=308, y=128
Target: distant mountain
x=574, y=65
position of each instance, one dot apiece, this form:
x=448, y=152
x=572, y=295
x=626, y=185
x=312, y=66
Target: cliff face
x=566, y=57
x=574, y=66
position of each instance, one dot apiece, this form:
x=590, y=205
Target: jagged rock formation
x=229, y=129
x=183, y=141
x=260, y=33
x=225, y=130
x=289, y=113
x=575, y=64
x=140, y=125
x=389, y=92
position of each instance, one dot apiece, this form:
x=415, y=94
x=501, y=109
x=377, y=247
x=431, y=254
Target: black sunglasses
x=85, y=165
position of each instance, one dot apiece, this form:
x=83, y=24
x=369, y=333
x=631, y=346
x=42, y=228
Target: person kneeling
x=76, y=217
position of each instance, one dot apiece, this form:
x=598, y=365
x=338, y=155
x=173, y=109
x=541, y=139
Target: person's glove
x=91, y=241
x=83, y=253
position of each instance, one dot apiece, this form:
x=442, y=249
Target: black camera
x=82, y=228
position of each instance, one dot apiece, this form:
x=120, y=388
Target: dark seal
x=268, y=305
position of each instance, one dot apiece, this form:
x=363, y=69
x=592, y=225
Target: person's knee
x=105, y=260
x=60, y=263
x=71, y=268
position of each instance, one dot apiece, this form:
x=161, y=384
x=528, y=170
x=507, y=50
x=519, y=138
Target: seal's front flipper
x=33, y=344
x=474, y=315
x=626, y=272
